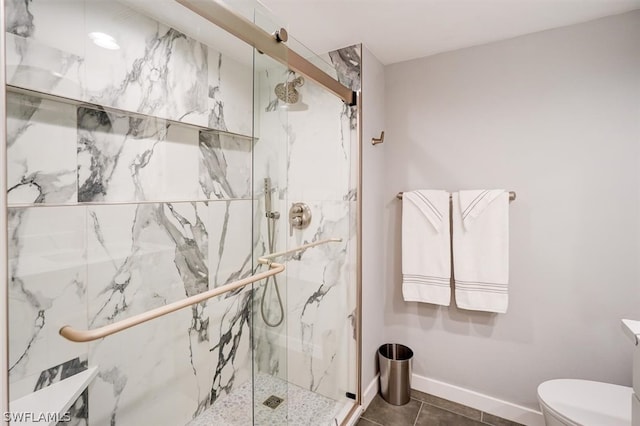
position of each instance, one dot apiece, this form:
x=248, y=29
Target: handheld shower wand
x=271, y=230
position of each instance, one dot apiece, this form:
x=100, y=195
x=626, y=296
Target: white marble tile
x=271, y=159
x=230, y=94
x=156, y=70
x=220, y=349
x=316, y=162
x=143, y=256
x=39, y=55
x=308, y=154
x=41, y=151
x=319, y=150
x=319, y=327
x=270, y=150
x=167, y=371
x=230, y=241
x=271, y=341
x=47, y=288
x=225, y=166
x=229, y=343
x=348, y=64
x=145, y=375
x=122, y=158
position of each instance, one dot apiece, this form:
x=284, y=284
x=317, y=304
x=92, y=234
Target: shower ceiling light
x=104, y=40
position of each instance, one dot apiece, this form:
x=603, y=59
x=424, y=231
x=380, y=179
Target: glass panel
x=152, y=156
x=310, y=149
x=270, y=318
x=322, y=282
x=145, y=111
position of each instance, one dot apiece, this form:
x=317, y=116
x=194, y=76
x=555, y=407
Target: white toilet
x=570, y=402
x=583, y=402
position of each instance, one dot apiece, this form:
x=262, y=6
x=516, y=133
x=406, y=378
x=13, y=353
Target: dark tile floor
x=427, y=410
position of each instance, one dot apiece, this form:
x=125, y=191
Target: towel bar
x=512, y=195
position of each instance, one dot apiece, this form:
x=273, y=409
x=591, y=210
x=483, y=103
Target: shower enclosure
x=153, y=156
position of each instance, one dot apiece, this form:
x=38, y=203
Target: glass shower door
x=130, y=141
x=307, y=149
x=152, y=156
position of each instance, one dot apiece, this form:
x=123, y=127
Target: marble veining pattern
x=164, y=245
x=230, y=243
x=47, y=287
x=123, y=158
x=347, y=63
x=319, y=288
x=157, y=70
x=35, y=58
x=79, y=410
x=41, y=151
x=161, y=256
x=225, y=166
x=102, y=263
x=60, y=372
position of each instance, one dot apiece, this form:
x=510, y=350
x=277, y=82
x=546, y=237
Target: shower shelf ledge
x=56, y=398
x=97, y=106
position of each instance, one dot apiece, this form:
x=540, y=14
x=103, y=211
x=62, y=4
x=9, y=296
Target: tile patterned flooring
x=427, y=410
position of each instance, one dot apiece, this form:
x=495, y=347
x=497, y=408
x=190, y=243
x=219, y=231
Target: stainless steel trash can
x=395, y=373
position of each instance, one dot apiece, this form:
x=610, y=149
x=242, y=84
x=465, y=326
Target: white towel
x=426, y=247
x=481, y=249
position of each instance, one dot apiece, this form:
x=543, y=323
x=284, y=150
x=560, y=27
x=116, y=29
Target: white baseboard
x=486, y=403
x=370, y=392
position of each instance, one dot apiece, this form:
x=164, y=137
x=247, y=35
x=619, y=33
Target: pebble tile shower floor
x=299, y=406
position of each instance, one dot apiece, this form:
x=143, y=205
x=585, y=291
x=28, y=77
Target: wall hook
x=376, y=141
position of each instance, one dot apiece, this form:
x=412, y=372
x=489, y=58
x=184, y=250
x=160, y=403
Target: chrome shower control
x=299, y=216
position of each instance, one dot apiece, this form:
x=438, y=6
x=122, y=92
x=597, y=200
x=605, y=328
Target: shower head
x=287, y=92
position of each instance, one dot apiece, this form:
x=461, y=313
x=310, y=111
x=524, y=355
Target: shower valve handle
x=294, y=223
x=299, y=217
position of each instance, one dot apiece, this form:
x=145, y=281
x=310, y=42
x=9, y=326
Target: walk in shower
x=154, y=157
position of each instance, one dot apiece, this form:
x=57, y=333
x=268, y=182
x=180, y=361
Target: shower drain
x=273, y=401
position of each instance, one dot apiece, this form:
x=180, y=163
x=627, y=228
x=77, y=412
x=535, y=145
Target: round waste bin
x=395, y=373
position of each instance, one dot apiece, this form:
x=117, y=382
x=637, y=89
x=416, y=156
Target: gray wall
x=554, y=116
x=373, y=178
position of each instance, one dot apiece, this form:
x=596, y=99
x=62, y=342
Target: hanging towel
x=481, y=249
x=426, y=247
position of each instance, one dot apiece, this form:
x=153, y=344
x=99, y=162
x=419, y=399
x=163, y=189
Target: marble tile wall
x=113, y=213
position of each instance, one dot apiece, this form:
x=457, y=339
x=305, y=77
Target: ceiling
x=400, y=30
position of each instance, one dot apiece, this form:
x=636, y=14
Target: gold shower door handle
x=76, y=335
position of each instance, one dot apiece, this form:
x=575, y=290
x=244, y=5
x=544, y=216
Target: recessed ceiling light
x=104, y=40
